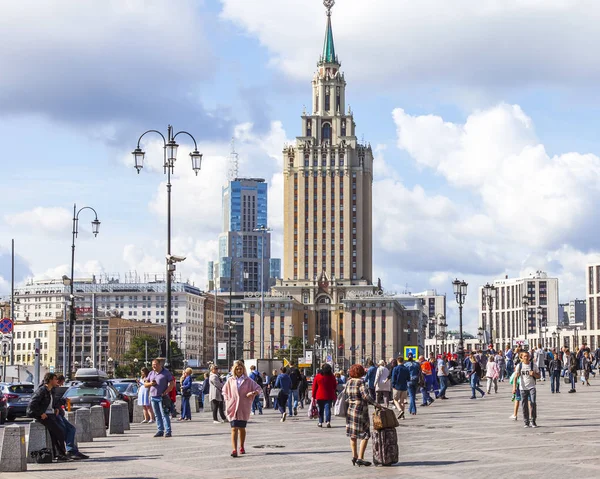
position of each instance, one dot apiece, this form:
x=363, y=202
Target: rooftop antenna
x=232, y=171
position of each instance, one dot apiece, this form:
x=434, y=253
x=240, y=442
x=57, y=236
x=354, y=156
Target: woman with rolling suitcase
x=357, y=416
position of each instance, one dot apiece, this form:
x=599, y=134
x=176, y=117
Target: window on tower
x=326, y=132
x=337, y=98
x=327, y=99
x=343, y=127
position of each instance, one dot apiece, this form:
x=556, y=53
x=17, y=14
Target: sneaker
x=260, y=413
x=242, y=450
x=526, y=425
x=253, y=413
x=61, y=458
x=74, y=456
x=217, y=422
x=159, y=434
x=533, y=424
x=482, y=394
x=283, y=416
x=513, y=417
x=150, y=421
x=145, y=421
x=295, y=411
x=328, y=425
x=320, y=425
x=168, y=434
x=234, y=453
x=472, y=397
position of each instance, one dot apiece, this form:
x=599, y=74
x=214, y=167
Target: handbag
x=186, y=393
x=166, y=403
x=274, y=392
x=43, y=456
x=384, y=418
x=566, y=379
x=340, y=409
x=313, y=410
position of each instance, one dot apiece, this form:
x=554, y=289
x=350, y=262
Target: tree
x=137, y=350
x=295, y=343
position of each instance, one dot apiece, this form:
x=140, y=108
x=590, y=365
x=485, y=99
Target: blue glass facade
x=245, y=204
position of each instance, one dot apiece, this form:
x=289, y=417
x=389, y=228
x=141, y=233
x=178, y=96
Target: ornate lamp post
x=110, y=366
x=69, y=351
x=169, y=158
x=480, y=336
x=490, y=296
x=442, y=325
x=460, y=292
x=525, y=314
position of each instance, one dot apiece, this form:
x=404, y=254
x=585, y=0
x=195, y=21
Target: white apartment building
x=592, y=320
x=434, y=305
x=24, y=336
x=47, y=300
x=511, y=319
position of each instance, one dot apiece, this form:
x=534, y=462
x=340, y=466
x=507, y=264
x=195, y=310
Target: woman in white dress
x=144, y=397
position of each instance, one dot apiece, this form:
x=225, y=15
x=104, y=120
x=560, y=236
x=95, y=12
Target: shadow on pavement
x=300, y=453
x=430, y=463
x=123, y=458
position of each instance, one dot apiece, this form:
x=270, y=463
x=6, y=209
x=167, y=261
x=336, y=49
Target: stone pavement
x=455, y=438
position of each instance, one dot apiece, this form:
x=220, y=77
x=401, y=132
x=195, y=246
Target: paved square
x=455, y=438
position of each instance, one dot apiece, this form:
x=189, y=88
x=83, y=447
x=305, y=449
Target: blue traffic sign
x=6, y=325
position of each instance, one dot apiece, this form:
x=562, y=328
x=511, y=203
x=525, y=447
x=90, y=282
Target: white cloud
x=42, y=220
x=401, y=42
x=528, y=196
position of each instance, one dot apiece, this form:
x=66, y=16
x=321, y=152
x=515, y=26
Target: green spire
x=328, y=47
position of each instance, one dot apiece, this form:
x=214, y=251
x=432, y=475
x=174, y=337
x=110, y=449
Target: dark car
x=129, y=391
x=17, y=396
x=92, y=393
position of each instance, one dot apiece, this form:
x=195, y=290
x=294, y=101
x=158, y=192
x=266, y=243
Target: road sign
x=6, y=325
x=411, y=350
x=5, y=348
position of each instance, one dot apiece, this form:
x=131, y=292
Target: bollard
x=37, y=438
x=115, y=421
x=97, y=421
x=125, y=413
x=206, y=403
x=178, y=404
x=138, y=413
x=83, y=427
x=195, y=403
x=13, y=451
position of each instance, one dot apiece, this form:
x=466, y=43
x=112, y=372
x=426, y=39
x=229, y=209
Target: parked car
x=17, y=397
x=92, y=389
x=129, y=391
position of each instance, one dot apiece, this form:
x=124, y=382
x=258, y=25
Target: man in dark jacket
x=41, y=408
x=296, y=378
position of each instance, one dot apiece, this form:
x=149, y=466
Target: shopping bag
x=313, y=410
x=341, y=404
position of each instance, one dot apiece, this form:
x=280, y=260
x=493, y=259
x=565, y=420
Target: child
x=527, y=373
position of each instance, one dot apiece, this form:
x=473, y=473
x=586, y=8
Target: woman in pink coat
x=492, y=372
x=239, y=392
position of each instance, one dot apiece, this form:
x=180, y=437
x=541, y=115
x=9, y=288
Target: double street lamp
x=169, y=157
x=69, y=349
x=556, y=335
x=480, y=336
x=490, y=296
x=442, y=332
x=460, y=292
x=540, y=317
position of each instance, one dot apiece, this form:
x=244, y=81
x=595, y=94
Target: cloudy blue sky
x=482, y=115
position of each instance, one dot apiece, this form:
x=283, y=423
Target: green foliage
x=296, y=345
x=137, y=350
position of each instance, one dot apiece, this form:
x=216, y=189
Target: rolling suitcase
x=385, y=446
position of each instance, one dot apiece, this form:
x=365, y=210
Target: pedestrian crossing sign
x=410, y=350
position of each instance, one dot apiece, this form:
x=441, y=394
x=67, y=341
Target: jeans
x=372, y=394
x=324, y=410
x=502, y=372
x=186, y=412
x=528, y=399
x=573, y=377
x=475, y=385
x=443, y=385
x=163, y=419
x=55, y=428
x=292, y=401
x=555, y=381
x=69, y=432
x=543, y=372
x=257, y=404
x=510, y=367
x=412, y=393
x=217, y=407
x=282, y=400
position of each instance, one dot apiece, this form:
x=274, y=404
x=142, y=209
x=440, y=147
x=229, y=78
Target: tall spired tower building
x=328, y=184
x=327, y=297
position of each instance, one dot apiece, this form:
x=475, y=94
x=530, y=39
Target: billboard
x=221, y=350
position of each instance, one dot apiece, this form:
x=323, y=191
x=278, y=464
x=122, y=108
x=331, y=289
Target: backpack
x=256, y=377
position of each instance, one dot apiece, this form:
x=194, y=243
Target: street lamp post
x=490, y=295
x=231, y=276
x=264, y=230
x=540, y=315
x=558, y=330
x=525, y=313
x=70, y=350
x=442, y=325
x=460, y=292
x=110, y=366
x=480, y=336
x=169, y=158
